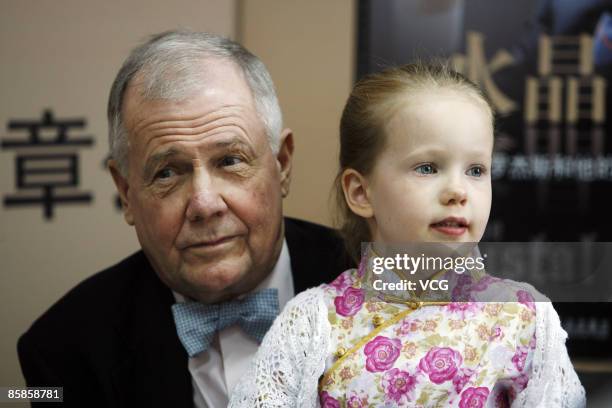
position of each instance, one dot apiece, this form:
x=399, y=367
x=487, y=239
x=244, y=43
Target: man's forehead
x=170, y=85
x=217, y=98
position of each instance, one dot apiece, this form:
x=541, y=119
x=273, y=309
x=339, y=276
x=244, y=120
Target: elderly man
x=201, y=163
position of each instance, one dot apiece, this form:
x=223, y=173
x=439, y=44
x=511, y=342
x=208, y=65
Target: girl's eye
x=425, y=169
x=228, y=161
x=475, y=171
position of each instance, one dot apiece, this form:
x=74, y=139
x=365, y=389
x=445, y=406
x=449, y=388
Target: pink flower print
x=463, y=308
x=416, y=325
x=526, y=298
x=493, y=309
x=327, y=401
x=461, y=292
x=409, y=349
x=397, y=385
x=483, y=332
x=346, y=373
x=456, y=324
x=357, y=400
x=373, y=307
x=470, y=353
x=441, y=363
x=496, y=333
x=526, y=315
x=519, y=358
x=474, y=397
x=343, y=281
x=462, y=377
x=347, y=324
x=404, y=328
x=349, y=303
x=430, y=325
x=532, y=342
x=363, y=265
x=520, y=382
x=381, y=353
x=483, y=283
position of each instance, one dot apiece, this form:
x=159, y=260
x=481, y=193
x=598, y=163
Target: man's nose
x=453, y=192
x=205, y=201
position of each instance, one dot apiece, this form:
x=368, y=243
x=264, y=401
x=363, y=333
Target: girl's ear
x=356, y=193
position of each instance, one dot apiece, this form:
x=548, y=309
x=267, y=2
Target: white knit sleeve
x=553, y=382
x=291, y=358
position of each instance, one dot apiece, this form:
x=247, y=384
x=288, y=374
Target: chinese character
x=479, y=71
x=499, y=165
x=56, y=167
x=541, y=167
x=565, y=62
x=519, y=168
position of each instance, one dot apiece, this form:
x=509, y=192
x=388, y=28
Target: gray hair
x=169, y=66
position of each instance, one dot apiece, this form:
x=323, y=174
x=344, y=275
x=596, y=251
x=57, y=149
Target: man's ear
x=122, y=188
x=284, y=159
x=356, y=193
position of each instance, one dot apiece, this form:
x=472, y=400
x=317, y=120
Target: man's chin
x=215, y=283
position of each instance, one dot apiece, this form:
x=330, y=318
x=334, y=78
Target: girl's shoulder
x=311, y=305
x=347, y=279
x=487, y=288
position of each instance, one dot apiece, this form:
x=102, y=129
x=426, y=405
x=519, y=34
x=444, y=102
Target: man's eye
x=228, y=161
x=165, y=173
x=425, y=169
x=476, y=171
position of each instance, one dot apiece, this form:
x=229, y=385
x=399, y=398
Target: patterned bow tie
x=197, y=323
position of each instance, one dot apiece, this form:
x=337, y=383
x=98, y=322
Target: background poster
x=546, y=66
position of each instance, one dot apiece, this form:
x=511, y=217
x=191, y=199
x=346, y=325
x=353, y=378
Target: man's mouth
x=452, y=226
x=210, y=243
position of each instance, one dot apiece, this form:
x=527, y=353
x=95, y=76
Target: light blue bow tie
x=197, y=323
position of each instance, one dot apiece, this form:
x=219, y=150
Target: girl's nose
x=454, y=193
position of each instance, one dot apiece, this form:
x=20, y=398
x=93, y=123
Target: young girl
x=415, y=160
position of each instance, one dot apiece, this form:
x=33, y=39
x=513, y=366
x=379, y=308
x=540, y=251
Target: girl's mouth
x=452, y=226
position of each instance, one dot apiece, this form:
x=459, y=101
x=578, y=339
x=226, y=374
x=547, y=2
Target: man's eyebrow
x=154, y=160
x=234, y=142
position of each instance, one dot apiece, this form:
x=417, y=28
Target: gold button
x=414, y=305
x=340, y=352
x=377, y=320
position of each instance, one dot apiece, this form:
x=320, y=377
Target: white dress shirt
x=216, y=371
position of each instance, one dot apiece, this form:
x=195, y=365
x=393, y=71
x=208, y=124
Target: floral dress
x=463, y=354
x=338, y=346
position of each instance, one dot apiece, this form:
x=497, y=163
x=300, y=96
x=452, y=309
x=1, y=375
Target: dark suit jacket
x=111, y=341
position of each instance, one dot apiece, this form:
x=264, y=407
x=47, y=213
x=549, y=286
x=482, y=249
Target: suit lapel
x=317, y=254
x=154, y=372
x=296, y=248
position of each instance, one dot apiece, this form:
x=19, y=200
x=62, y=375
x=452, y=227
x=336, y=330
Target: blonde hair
x=373, y=101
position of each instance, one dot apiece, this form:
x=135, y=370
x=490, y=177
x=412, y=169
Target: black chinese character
x=57, y=166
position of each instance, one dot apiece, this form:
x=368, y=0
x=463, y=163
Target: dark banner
x=546, y=66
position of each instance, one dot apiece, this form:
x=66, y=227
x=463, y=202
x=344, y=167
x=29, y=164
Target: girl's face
x=432, y=181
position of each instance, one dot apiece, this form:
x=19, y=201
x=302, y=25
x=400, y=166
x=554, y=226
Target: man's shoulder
x=317, y=253
x=306, y=231
x=95, y=301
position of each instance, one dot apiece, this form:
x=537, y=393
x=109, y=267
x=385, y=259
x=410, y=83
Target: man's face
x=204, y=189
